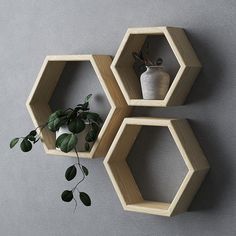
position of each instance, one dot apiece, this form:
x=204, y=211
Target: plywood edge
x=122, y=143
x=69, y=154
x=150, y=207
x=114, y=184
x=188, y=193
x=109, y=130
x=181, y=191
x=147, y=103
x=174, y=84
x=148, y=30
x=123, y=182
x=79, y=57
x=35, y=85
x=182, y=47
x=120, y=83
x=114, y=143
x=120, y=49
x=182, y=85
x=188, y=145
x=148, y=121
x=102, y=67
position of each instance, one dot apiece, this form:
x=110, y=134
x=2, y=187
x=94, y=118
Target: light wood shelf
x=122, y=65
x=48, y=77
x=124, y=182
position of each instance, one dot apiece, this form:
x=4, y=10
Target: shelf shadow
x=219, y=177
x=71, y=89
x=156, y=164
x=211, y=74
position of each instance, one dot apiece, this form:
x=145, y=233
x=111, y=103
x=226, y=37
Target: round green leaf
x=56, y=114
x=60, y=139
x=88, y=97
x=85, y=199
x=71, y=173
x=92, y=116
x=55, y=120
x=91, y=136
x=83, y=115
x=67, y=196
x=85, y=170
x=31, y=138
x=76, y=126
x=25, y=145
x=33, y=133
x=72, y=114
x=13, y=142
x=95, y=127
x=54, y=124
x=68, y=143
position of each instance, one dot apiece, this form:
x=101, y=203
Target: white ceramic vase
x=81, y=136
x=154, y=83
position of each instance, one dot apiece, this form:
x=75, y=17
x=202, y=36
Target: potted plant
x=75, y=120
x=154, y=80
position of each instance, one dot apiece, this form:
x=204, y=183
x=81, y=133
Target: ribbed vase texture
x=154, y=83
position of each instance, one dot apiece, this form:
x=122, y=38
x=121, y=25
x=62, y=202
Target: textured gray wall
x=30, y=184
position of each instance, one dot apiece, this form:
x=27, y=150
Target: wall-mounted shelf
x=48, y=77
x=122, y=65
x=124, y=182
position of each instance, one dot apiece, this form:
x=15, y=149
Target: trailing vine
x=76, y=120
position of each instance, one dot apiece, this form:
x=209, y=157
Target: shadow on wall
x=206, y=85
x=210, y=76
x=156, y=164
x=77, y=80
x=218, y=181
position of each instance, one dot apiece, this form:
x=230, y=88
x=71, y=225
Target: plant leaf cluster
x=26, y=142
x=77, y=120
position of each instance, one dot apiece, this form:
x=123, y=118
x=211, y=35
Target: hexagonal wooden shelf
x=122, y=65
x=43, y=89
x=124, y=182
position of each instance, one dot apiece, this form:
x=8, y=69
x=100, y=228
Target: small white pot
x=81, y=136
x=154, y=83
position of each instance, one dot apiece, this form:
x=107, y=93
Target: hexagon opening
x=184, y=68
x=152, y=155
x=124, y=182
x=77, y=80
x=49, y=75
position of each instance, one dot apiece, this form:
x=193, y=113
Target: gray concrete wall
x=31, y=184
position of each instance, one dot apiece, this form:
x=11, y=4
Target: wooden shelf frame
x=124, y=182
x=48, y=77
x=122, y=66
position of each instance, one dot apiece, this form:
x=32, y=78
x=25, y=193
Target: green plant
x=76, y=120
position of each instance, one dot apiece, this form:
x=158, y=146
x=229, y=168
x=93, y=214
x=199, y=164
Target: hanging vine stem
x=75, y=120
x=83, y=178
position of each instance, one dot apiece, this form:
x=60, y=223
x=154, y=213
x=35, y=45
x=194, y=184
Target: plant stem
x=73, y=189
